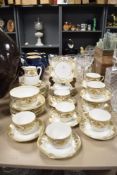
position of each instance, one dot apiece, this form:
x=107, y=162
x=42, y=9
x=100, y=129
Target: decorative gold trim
x=107, y=97
x=87, y=106
x=82, y=126
x=53, y=156
x=55, y=115
x=41, y=131
x=62, y=59
x=40, y=103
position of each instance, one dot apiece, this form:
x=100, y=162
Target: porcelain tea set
x=95, y=97
x=56, y=138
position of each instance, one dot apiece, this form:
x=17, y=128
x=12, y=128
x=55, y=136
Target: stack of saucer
x=25, y=127
x=61, y=143
x=63, y=107
x=26, y=98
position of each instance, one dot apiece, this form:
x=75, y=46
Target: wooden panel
x=29, y=2
x=85, y=1
x=102, y=60
x=112, y=1
x=17, y=2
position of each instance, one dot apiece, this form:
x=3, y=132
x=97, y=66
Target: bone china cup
x=94, y=77
x=24, y=121
x=99, y=119
x=24, y=95
x=65, y=107
x=95, y=89
x=58, y=133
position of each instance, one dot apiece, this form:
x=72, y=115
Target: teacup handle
x=102, y=78
x=40, y=72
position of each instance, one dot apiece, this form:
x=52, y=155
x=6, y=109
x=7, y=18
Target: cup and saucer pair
x=97, y=124
x=72, y=119
x=25, y=127
x=61, y=143
x=95, y=92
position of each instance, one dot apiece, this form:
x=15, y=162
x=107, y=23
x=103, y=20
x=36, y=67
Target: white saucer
x=20, y=137
x=87, y=106
x=70, y=121
x=39, y=102
x=107, y=134
x=52, y=152
x=53, y=101
x=104, y=98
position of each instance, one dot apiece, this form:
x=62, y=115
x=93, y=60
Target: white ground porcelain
x=106, y=134
x=65, y=106
x=61, y=92
x=100, y=115
x=95, y=84
x=20, y=137
x=24, y=91
x=23, y=118
x=60, y=87
x=31, y=80
x=68, y=150
x=93, y=75
x=71, y=121
x=58, y=130
x=63, y=70
x=102, y=98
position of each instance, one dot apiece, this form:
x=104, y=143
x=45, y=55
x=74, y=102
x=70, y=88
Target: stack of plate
x=26, y=98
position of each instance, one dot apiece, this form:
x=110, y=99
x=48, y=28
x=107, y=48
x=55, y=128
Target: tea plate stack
x=25, y=98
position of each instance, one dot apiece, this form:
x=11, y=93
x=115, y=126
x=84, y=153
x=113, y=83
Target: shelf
x=98, y=31
x=111, y=27
x=44, y=46
x=10, y=33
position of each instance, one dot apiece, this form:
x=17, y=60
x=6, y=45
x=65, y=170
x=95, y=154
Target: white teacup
x=65, y=107
x=24, y=96
x=58, y=133
x=94, y=77
x=24, y=122
x=95, y=89
x=99, y=119
x=60, y=92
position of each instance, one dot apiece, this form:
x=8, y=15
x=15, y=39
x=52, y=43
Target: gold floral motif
x=106, y=96
x=41, y=131
x=111, y=126
x=67, y=60
x=44, y=138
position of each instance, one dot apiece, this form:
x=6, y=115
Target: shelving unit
x=110, y=10
x=6, y=13
x=53, y=18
